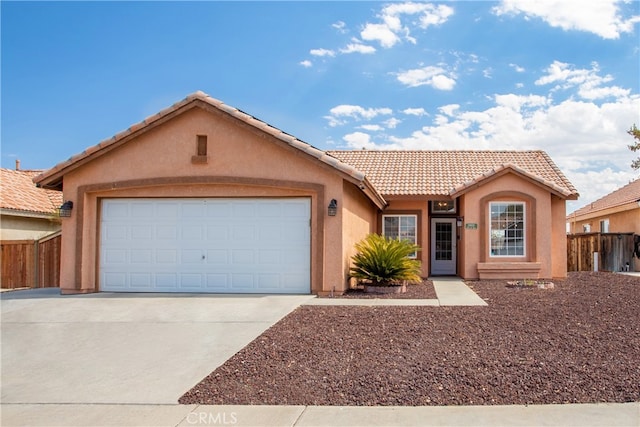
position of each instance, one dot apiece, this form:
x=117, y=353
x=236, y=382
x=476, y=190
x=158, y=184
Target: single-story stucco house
x=203, y=197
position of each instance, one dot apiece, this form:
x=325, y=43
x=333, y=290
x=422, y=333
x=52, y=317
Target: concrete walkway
x=451, y=291
x=584, y=415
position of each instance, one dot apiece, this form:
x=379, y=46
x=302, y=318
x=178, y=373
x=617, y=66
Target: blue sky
x=562, y=76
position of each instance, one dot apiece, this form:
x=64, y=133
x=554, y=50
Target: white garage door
x=205, y=245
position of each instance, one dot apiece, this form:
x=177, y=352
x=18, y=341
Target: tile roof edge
x=216, y=103
x=28, y=212
x=505, y=167
x=561, y=175
x=596, y=210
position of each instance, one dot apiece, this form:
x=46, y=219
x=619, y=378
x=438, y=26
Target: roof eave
x=510, y=168
x=607, y=210
x=28, y=214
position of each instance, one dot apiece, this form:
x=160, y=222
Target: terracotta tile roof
x=54, y=174
x=378, y=172
x=449, y=173
x=630, y=193
x=19, y=193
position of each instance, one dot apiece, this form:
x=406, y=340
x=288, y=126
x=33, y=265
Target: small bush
x=384, y=261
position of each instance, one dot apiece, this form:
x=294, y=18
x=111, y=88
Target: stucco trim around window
x=530, y=224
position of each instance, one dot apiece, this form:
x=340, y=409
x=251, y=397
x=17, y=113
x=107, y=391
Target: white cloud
x=306, y=63
x=341, y=114
x=587, y=140
x=380, y=33
x=392, y=123
x=435, y=15
x=415, y=112
x=358, y=48
x=517, y=68
x=589, y=82
x=391, y=30
x=430, y=76
x=359, y=140
x=601, y=17
x=372, y=128
x=322, y=52
x=340, y=26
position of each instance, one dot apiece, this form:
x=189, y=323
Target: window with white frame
x=604, y=225
x=507, y=231
x=401, y=227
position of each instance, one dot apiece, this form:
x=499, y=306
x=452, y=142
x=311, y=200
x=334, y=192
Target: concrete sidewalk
x=451, y=291
x=584, y=415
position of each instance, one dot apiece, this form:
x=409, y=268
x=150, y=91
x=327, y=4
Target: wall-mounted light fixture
x=459, y=221
x=65, y=210
x=332, y=209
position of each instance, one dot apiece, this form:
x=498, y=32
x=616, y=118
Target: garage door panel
x=140, y=280
x=193, y=209
x=166, y=256
x=205, y=245
x=218, y=232
x=168, y=281
x=141, y=256
x=242, y=281
x=244, y=209
x=116, y=281
x=217, y=257
x=115, y=256
x=167, y=210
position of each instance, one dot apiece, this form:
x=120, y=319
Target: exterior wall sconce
x=459, y=221
x=64, y=211
x=332, y=209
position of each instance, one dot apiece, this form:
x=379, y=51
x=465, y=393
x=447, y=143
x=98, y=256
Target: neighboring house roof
x=20, y=195
x=623, y=198
x=451, y=173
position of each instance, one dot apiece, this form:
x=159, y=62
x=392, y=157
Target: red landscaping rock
x=578, y=343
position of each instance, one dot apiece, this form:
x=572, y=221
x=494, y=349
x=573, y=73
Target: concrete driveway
x=123, y=348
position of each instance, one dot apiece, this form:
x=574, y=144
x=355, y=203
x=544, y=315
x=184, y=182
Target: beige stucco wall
x=626, y=221
x=545, y=254
x=359, y=219
x=26, y=228
x=242, y=162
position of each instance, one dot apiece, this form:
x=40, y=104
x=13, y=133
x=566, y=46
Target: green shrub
x=384, y=261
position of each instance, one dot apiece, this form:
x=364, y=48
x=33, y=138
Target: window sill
x=509, y=270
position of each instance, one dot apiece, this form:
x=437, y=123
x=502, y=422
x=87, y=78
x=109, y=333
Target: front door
x=443, y=246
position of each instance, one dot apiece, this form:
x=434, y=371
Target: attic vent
x=201, y=150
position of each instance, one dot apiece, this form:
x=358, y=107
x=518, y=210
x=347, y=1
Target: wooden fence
x=614, y=250
x=30, y=263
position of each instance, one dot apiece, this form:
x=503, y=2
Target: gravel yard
x=577, y=343
x=421, y=291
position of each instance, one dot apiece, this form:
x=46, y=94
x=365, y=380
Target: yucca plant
x=385, y=262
